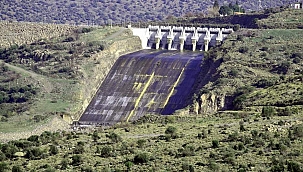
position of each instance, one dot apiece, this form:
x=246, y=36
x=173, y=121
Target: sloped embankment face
x=144, y=82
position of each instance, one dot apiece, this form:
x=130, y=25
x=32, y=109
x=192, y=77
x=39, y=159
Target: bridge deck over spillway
x=143, y=82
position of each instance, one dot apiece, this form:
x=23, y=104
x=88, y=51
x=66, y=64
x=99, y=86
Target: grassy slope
x=274, y=56
x=286, y=19
x=58, y=92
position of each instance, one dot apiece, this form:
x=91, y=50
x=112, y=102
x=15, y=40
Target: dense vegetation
x=224, y=142
x=118, y=11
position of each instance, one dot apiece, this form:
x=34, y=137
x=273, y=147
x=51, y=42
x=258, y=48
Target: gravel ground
x=55, y=124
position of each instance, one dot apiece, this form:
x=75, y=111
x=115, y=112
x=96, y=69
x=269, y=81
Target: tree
x=77, y=160
x=95, y=136
x=114, y=137
x=225, y=10
x=141, y=158
x=171, y=131
x=106, y=151
x=53, y=150
x=17, y=169
x=3, y=166
x=215, y=144
x=216, y=5
x=268, y=111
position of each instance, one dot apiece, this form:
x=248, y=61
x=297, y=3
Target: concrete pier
x=185, y=36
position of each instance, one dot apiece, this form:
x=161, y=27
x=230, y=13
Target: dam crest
x=180, y=38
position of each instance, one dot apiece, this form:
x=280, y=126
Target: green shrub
x=69, y=39
x=2, y=156
x=285, y=112
x=141, y=143
x=141, y=158
x=17, y=169
x=298, y=131
x=34, y=153
x=128, y=165
x=213, y=166
x=187, y=151
x=95, y=136
x=53, y=150
x=114, y=137
x=243, y=50
x=79, y=149
x=215, y=144
x=293, y=166
x=106, y=151
x=3, y=166
x=268, y=111
x=263, y=83
x=187, y=167
x=240, y=37
x=77, y=160
x=9, y=150
x=64, y=164
x=171, y=131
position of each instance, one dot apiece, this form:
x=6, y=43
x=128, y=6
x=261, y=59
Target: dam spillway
x=144, y=82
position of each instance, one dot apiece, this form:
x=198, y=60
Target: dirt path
x=47, y=86
x=115, y=34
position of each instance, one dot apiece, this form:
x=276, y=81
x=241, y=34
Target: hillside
x=56, y=73
x=119, y=11
x=246, y=112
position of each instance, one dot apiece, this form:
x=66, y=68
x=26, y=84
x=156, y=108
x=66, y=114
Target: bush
x=141, y=158
x=106, y=151
x=141, y=143
x=69, y=39
x=213, y=166
x=285, y=112
x=293, y=166
x=95, y=136
x=64, y=164
x=268, y=111
x=243, y=50
x=33, y=153
x=9, y=150
x=240, y=37
x=114, y=137
x=187, y=151
x=77, y=160
x=263, y=83
x=53, y=150
x=16, y=169
x=298, y=131
x=236, y=27
x=187, y=167
x=215, y=144
x=3, y=166
x=128, y=165
x=171, y=131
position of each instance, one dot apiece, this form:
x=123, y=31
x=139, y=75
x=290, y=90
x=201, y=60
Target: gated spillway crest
x=142, y=83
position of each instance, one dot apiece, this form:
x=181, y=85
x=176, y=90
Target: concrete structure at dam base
x=180, y=38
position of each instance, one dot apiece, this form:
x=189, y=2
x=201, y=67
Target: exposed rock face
x=102, y=63
x=209, y=103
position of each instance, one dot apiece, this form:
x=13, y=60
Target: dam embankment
x=98, y=66
x=147, y=81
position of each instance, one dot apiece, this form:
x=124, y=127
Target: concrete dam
x=180, y=38
x=144, y=82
